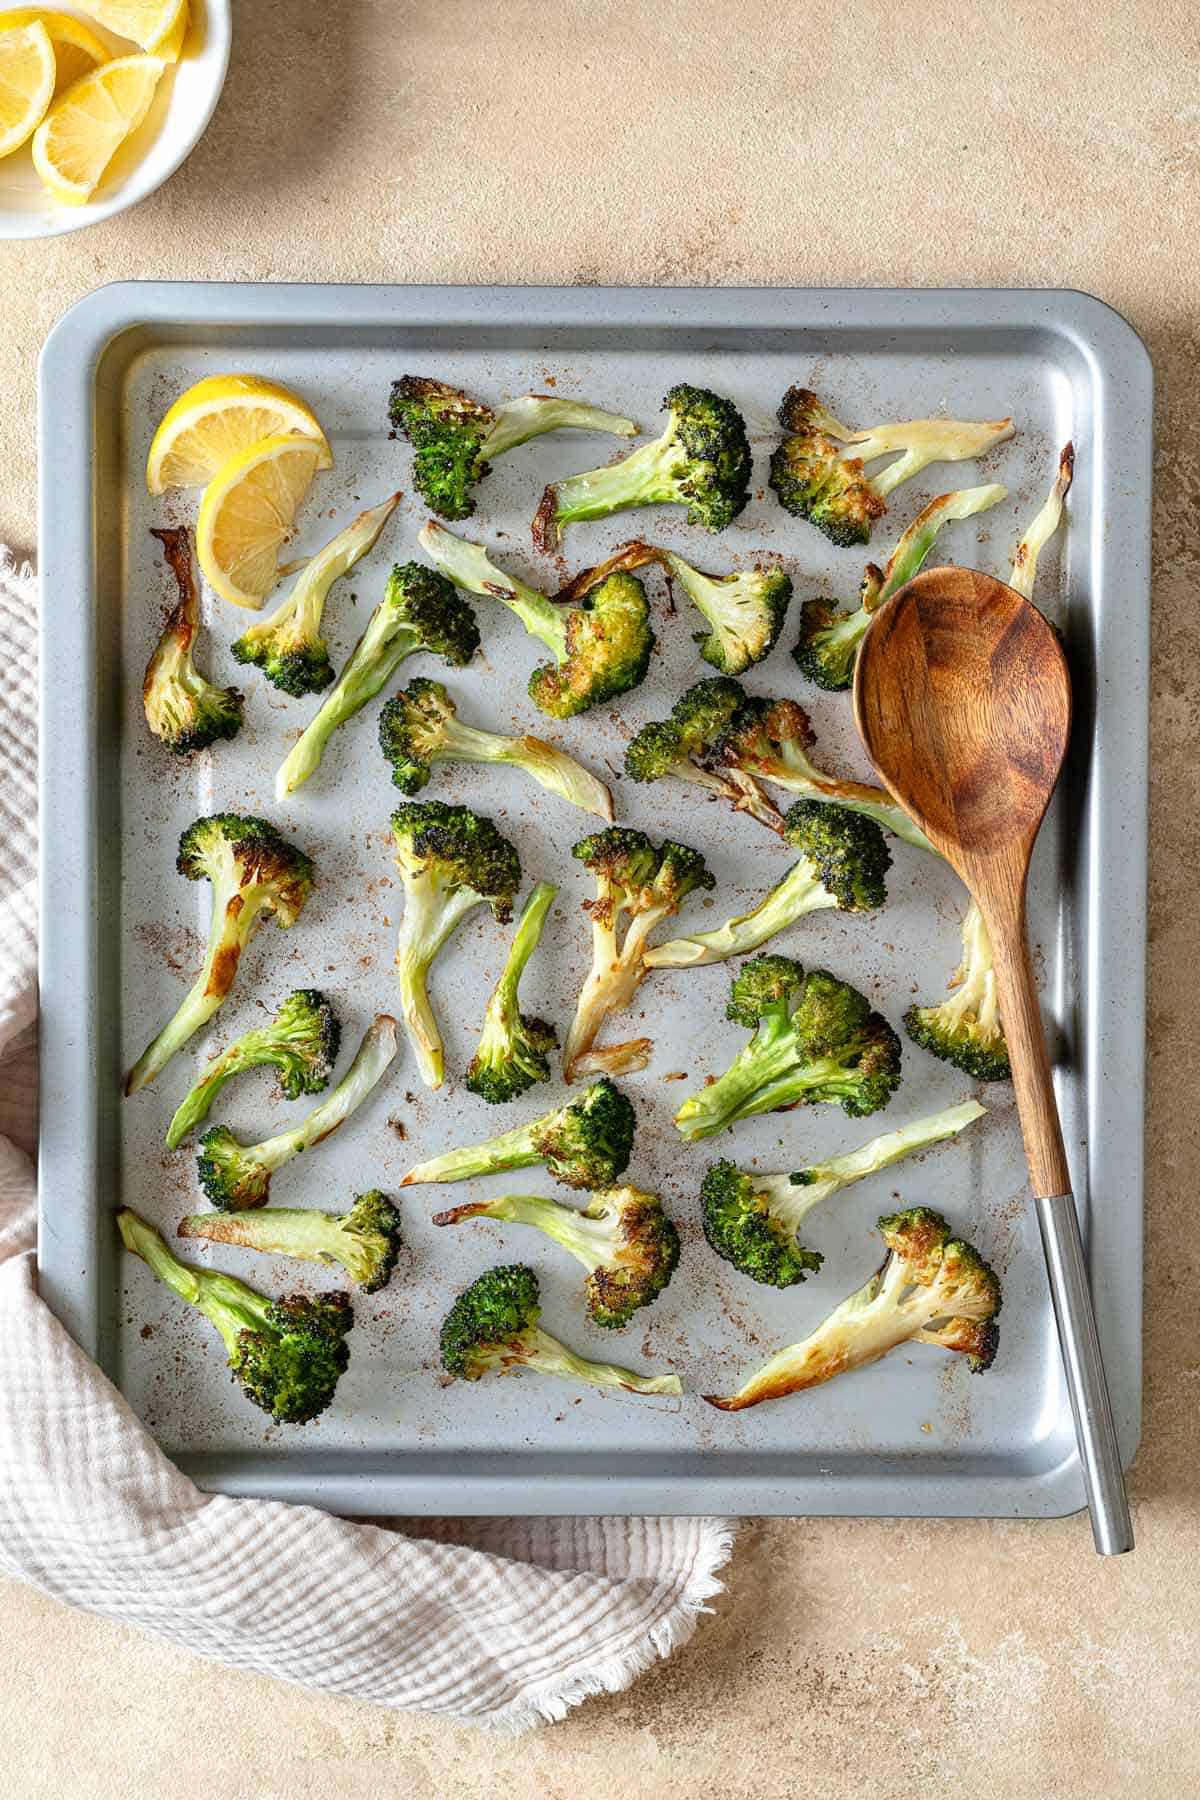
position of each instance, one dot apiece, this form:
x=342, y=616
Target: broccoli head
x=584, y=1144
x=933, y=1288
x=288, y=1355
x=622, y=1237
x=701, y=461
x=301, y=1043
x=365, y=1241
x=680, y=745
x=815, y=1039
x=514, y=1050
x=966, y=1029
x=494, y=1325
x=814, y=478
x=184, y=710
x=455, y=437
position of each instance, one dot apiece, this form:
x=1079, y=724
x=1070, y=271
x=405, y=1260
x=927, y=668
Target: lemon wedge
x=26, y=82
x=156, y=25
x=76, y=49
x=216, y=419
x=83, y=131
x=246, y=515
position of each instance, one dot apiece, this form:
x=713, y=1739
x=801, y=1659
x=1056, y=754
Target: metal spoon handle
x=1094, y=1430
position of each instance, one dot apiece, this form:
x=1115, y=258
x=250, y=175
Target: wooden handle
x=1022, y=1019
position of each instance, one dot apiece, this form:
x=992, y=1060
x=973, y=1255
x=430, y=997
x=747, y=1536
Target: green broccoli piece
x=451, y=860
x=601, y=647
x=237, y=1176
x=745, y=610
x=494, y=1325
x=815, y=1039
x=183, y=710
x=456, y=438
x=753, y=1220
x=701, y=461
x=420, y=726
x=301, y=1042
x=288, y=647
x=288, y=1355
x=365, y=1241
x=843, y=862
x=255, y=875
x=829, y=637
x=679, y=745
x=966, y=1029
x=622, y=1237
x=932, y=1289
x=1044, y=525
x=584, y=1144
x=514, y=1051
x=646, y=886
x=814, y=479
x=420, y=612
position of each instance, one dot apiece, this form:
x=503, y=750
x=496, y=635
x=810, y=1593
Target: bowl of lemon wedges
x=100, y=104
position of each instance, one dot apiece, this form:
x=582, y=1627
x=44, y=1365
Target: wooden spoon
x=963, y=703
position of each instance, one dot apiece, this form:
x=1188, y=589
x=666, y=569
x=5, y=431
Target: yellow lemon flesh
x=246, y=516
x=155, y=25
x=83, y=131
x=26, y=82
x=76, y=49
x=219, y=417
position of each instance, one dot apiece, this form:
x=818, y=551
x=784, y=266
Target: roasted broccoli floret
x=1043, y=526
x=843, y=862
x=701, y=461
x=644, y=886
x=815, y=1039
x=678, y=746
x=753, y=1220
x=816, y=481
x=965, y=1029
x=514, y=1050
x=288, y=1354
x=451, y=860
x=455, y=438
x=932, y=1289
x=420, y=726
x=601, y=647
x=769, y=740
x=365, y=1241
x=829, y=637
x=236, y=1176
x=420, y=612
x=301, y=1042
x=494, y=1325
x=255, y=875
x=183, y=710
x=288, y=647
x=584, y=1144
x=622, y=1237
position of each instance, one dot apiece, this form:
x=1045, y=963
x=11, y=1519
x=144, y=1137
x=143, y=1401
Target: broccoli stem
x=510, y=1150
x=589, y=1241
x=298, y=618
x=197, y=1105
x=225, y=1301
x=431, y=915
x=916, y=543
x=974, y=992
x=646, y=477
x=755, y=1082
x=377, y=655
x=557, y=772
x=1043, y=526
x=612, y=981
x=923, y=441
x=371, y=1060
x=528, y=417
x=470, y=568
x=299, y=1231
x=525, y=941
x=826, y=1178
x=799, y=892
x=541, y=1351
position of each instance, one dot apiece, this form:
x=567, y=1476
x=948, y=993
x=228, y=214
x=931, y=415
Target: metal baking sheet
x=121, y=932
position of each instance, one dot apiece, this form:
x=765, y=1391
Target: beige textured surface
x=692, y=142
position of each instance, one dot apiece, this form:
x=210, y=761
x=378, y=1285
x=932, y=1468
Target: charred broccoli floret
x=365, y=1241
x=678, y=746
x=451, y=860
x=455, y=438
x=815, y=1039
x=637, y=883
x=301, y=1042
x=622, y=1237
x=514, y=1050
x=843, y=863
x=494, y=1325
x=829, y=637
x=815, y=480
x=420, y=726
x=288, y=647
x=601, y=646
x=584, y=1144
x=701, y=461
x=753, y=1220
x=288, y=1355
x=933, y=1289
x=235, y=1176
x=184, y=710
x=420, y=612
x=966, y=1029
x=255, y=875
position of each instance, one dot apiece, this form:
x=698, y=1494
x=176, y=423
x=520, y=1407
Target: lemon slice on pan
x=83, y=131
x=219, y=417
x=26, y=82
x=246, y=516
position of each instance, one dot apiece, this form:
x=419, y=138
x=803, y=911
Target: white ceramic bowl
x=185, y=102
